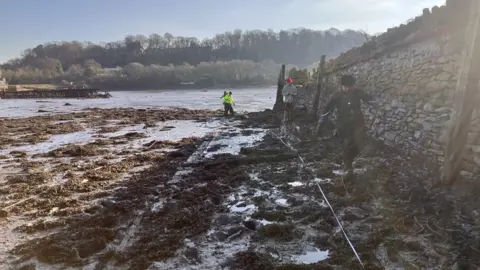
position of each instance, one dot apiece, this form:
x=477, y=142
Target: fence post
x=465, y=99
x=318, y=85
x=281, y=82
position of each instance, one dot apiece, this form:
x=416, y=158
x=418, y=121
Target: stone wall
x=412, y=87
x=413, y=84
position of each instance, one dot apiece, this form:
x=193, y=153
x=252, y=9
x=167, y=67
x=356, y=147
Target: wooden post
x=465, y=99
x=318, y=85
x=281, y=82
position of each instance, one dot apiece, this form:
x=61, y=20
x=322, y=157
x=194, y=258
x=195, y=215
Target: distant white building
x=3, y=84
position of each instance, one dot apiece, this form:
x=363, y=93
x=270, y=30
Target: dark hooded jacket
x=349, y=114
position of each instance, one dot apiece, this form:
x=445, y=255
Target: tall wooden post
x=318, y=85
x=281, y=82
x=465, y=98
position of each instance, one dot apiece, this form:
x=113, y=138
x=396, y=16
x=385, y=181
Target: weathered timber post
x=318, y=85
x=281, y=82
x=465, y=99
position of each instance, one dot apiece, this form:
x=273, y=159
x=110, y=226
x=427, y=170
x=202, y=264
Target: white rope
x=325, y=198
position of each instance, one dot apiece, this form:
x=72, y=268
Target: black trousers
x=288, y=111
x=228, y=108
x=353, y=142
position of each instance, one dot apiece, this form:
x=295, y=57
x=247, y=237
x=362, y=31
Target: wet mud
x=165, y=205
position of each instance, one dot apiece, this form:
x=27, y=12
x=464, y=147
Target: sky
x=27, y=23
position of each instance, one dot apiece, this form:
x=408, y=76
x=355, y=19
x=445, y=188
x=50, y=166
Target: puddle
x=62, y=121
x=313, y=256
x=157, y=206
x=233, y=145
x=320, y=180
x=357, y=171
x=338, y=172
x=182, y=129
x=241, y=209
x=296, y=184
x=265, y=222
x=54, y=142
x=259, y=192
x=282, y=202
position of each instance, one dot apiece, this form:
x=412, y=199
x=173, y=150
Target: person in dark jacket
x=225, y=106
x=231, y=103
x=350, y=124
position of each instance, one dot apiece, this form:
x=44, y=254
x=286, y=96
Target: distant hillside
x=137, y=62
x=300, y=47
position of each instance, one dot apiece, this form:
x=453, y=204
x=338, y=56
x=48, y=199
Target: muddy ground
x=218, y=202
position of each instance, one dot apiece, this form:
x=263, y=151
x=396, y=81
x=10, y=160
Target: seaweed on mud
x=130, y=136
x=74, y=185
x=40, y=225
x=109, y=129
x=32, y=178
x=98, y=229
x=31, y=164
x=168, y=144
x=4, y=213
x=18, y=154
x=31, y=266
x=259, y=200
x=77, y=151
x=48, y=206
x=263, y=261
x=54, y=249
x=252, y=260
x=192, y=212
x=279, y=232
x=100, y=175
x=273, y=216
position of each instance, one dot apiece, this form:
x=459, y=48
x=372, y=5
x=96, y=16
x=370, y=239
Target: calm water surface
x=252, y=99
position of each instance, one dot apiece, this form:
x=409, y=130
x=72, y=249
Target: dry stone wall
x=413, y=86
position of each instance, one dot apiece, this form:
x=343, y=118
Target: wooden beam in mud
x=281, y=82
x=236, y=161
x=319, y=85
x=465, y=93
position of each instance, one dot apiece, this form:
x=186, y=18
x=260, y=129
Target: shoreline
x=246, y=87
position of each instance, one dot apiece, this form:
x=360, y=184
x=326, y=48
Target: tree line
x=180, y=55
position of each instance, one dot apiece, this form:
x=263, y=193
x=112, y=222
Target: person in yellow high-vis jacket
x=229, y=102
x=232, y=103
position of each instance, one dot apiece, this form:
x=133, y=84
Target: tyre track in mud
x=154, y=206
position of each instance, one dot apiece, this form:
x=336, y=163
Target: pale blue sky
x=27, y=23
